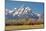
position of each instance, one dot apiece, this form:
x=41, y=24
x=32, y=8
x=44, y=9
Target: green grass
x=23, y=27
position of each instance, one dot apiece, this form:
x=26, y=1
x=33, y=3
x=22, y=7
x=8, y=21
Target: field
x=23, y=27
x=25, y=24
x=23, y=21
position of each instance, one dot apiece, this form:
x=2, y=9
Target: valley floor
x=23, y=27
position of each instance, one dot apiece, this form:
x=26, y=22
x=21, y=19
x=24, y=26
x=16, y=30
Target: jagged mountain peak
x=22, y=12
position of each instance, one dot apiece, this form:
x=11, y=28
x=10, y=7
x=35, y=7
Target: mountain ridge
x=21, y=13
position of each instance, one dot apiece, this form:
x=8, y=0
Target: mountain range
x=22, y=12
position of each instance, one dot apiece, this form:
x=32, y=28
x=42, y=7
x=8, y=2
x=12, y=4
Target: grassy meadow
x=23, y=27
x=22, y=24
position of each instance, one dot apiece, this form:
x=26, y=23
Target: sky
x=36, y=7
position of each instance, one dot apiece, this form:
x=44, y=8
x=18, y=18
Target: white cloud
x=15, y=8
x=10, y=11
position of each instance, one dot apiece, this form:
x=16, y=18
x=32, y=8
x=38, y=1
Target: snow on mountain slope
x=22, y=12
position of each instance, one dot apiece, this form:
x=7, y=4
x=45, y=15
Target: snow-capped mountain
x=21, y=13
